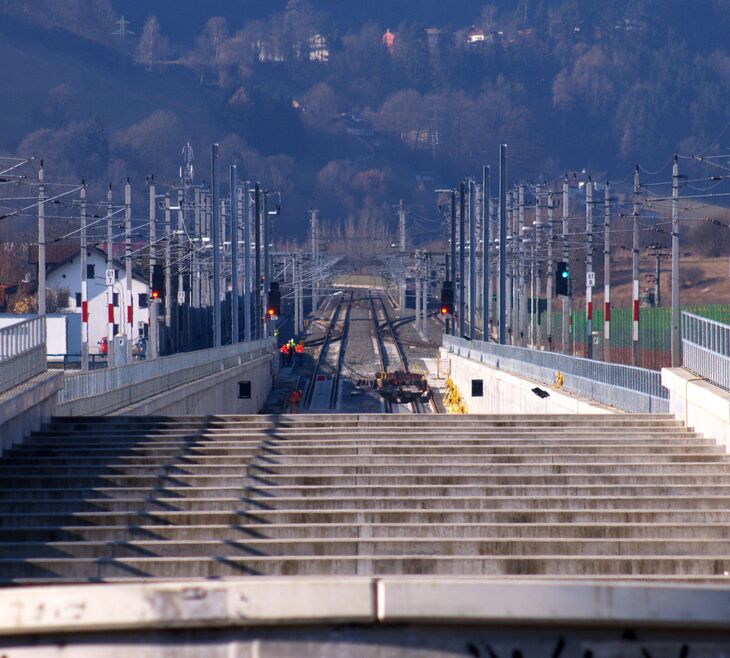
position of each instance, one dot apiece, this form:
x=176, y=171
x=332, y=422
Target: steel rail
x=341, y=353
x=382, y=352
x=392, y=327
x=328, y=338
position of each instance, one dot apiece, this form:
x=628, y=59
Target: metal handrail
x=625, y=387
x=22, y=352
x=706, y=348
x=97, y=382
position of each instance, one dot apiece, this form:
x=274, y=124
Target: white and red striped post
x=635, y=273
x=128, y=266
x=110, y=282
x=84, y=286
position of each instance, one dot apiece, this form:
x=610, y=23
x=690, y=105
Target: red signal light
x=155, y=294
x=272, y=312
x=444, y=310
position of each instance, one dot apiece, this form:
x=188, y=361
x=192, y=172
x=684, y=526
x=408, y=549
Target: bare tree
x=152, y=47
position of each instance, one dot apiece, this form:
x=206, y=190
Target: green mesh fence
x=655, y=333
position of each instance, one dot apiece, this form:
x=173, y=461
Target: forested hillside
x=349, y=106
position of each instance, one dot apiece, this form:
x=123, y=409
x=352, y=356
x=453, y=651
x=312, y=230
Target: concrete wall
x=213, y=394
x=699, y=404
x=508, y=394
x=25, y=408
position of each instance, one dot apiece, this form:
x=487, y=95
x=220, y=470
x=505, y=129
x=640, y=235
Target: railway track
x=323, y=362
x=331, y=359
x=386, y=335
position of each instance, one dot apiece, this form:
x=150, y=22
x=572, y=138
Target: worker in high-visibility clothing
x=294, y=397
x=299, y=353
x=285, y=354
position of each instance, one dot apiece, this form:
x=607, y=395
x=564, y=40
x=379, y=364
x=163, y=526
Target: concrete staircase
x=615, y=496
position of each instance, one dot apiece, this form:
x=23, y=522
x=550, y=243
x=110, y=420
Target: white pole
x=128, y=266
x=84, y=286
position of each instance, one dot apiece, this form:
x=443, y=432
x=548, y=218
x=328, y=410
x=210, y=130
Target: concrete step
x=15, y=476
x=546, y=479
x=617, y=496
x=367, y=502
x=180, y=472
x=215, y=450
x=463, y=547
x=588, y=467
x=244, y=491
x=392, y=420
x=407, y=565
x=241, y=481
x=360, y=418
x=371, y=455
x=296, y=532
x=246, y=447
x=563, y=439
x=366, y=516
x=375, y=428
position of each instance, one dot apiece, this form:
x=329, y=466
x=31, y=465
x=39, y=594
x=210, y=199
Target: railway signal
x=447, y=298
x=562, y=280
x=158, y=282
x=273, y=308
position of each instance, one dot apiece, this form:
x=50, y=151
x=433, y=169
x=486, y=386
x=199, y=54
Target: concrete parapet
x=506, y=393
x=213, y=394
x=24, y=408
x=77, y=609
x=699, y=404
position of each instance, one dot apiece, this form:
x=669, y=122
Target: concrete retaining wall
x=213, y=394
x=699, y=404
x=24, y=408
x=505, y=393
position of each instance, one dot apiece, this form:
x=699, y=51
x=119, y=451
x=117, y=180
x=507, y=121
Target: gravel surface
x=361, y=360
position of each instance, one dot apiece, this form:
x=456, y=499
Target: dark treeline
x=349, y=106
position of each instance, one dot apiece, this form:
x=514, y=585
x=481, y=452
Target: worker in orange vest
x=299, y=353
x=285, y=355
x=294, y=398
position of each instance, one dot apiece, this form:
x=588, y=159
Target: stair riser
x=288, y=453
x=690, y=516
x=457, y=548
x=314, y=493
x=673, y=532
x=379, y=566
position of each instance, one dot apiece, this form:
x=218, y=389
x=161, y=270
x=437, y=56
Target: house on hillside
x=66, y=275
x=474, y=35
x=318, y=49
x=357, y=127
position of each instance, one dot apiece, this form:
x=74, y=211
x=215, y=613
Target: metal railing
x=22, y=352
x=624, y=387
x=185, y=367
x=706, y=349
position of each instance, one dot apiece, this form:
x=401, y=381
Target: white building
x=67, y=275
x=63, y=334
